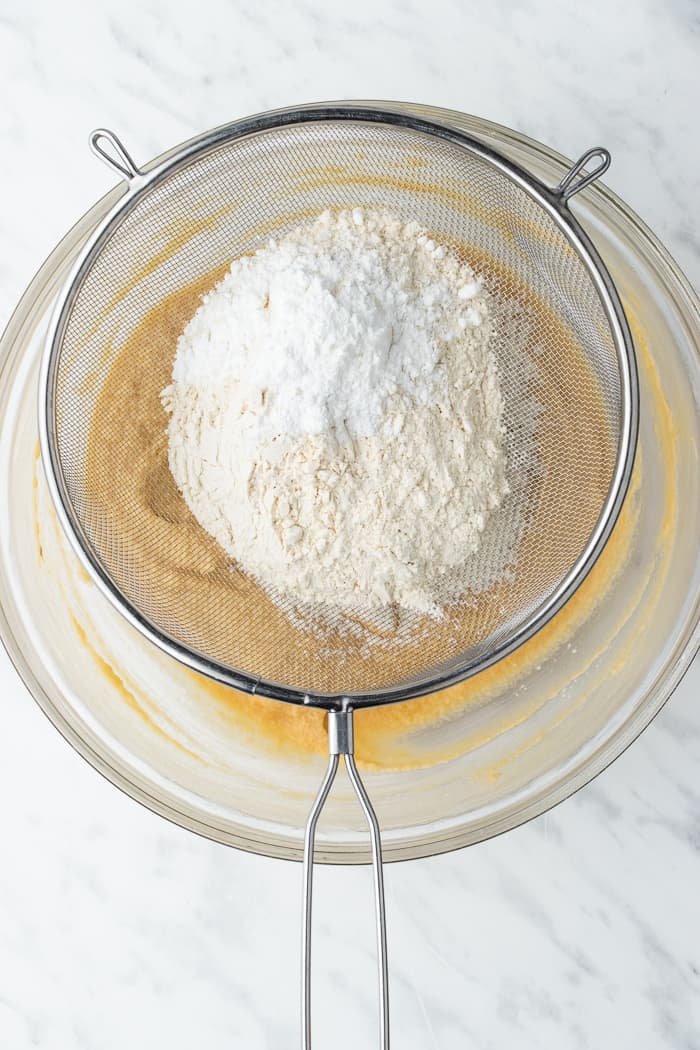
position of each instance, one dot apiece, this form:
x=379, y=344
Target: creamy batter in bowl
x=443, y=770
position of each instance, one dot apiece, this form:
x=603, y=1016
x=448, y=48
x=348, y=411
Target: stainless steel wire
x=341, y=742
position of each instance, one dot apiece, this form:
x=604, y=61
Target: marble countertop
x=116, y=929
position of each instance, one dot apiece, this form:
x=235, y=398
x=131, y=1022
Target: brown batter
x=184, y=578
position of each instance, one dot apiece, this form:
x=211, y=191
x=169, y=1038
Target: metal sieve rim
x=553, y=200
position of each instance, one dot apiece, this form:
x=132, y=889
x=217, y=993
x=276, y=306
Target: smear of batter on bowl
x=384, y=734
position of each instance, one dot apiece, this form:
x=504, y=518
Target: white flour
x=336, y=416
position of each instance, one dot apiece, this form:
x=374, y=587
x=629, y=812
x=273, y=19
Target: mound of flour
x=336, y=417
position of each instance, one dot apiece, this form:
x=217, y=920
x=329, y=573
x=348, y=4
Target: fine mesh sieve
x=567, y=373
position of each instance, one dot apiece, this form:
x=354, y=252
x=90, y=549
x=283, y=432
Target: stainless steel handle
x=341, y=742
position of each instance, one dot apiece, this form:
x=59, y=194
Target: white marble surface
x=116, y=929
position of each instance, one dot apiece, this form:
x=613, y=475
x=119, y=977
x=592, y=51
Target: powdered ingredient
x=336, y=415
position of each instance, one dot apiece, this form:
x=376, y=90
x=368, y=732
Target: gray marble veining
x=579, y=930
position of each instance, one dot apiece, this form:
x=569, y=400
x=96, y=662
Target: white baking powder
x=336, y=417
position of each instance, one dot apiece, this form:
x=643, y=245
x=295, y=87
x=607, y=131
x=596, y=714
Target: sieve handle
x=571, y=183
x=341, y=742
x=110, y=149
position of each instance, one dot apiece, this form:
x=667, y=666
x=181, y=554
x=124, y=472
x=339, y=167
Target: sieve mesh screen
x=561, y=378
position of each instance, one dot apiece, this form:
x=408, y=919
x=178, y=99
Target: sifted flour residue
x=336, y=416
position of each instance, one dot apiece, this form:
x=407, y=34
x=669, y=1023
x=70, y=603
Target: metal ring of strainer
x=563, y=348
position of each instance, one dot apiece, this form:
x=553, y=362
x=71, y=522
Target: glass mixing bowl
x=525, y=740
